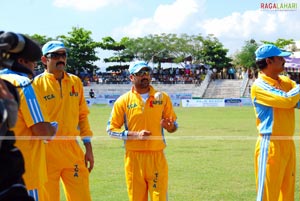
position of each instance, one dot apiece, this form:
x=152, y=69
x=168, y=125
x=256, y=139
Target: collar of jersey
x=269, y=79
x=51, y=76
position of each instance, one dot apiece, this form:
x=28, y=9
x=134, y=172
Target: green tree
x=280, y=42
x=175, y=49
x=246, y=57
x=108, y=43
x=81, y=51
x=145, y=48
x=157, y=48
x=194, y=48
x=213, y=53
x=41, y=39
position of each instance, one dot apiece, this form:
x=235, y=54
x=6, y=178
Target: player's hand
x=168, y=124
x=143, y=135
x=89, y=156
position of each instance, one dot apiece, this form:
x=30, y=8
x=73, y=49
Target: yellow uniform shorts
x=146, y=171
x=275, y=169
x=65, y=162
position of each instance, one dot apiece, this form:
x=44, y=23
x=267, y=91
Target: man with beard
x=138, y=117
x=274, y=97
x=63, y=96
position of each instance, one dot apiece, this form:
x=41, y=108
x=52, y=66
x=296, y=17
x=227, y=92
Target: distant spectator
x=250, y=75
x=214, y=74
x=177, y=71
x=92, y=93
x=224, y=73
x=231, y=73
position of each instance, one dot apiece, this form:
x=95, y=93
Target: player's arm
x=118, y=119
x=85, y=129
x=89, y=156
x=115, y=130
x=35, y=115
x=114, y=127
x=269, y=96
x=84, y=124
x=43, y=129
x=138, y=135
x=86, y=134
x=169, y=124
x=115, y=122
x=168, y=121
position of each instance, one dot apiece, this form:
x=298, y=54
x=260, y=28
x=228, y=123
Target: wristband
x=86, y=140
x=55, y=125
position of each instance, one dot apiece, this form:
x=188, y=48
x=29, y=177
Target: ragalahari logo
x=268, y=6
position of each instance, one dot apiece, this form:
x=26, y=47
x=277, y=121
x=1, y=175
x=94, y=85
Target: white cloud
x=241, y=25
x=170, y=18
x=85, y=5
x=237, y=28
x=188, y=16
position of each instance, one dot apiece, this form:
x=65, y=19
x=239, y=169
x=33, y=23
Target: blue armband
x=125, y=133
x=86, y=140
x=175, y=124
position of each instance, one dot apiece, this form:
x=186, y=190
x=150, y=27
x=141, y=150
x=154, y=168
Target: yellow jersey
x=65, y=103
x=136, y=115
x=274, y=103
x=30, y=113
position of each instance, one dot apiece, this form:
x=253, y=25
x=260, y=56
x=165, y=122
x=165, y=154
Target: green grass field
x=210, y=156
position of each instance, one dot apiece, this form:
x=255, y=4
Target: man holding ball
x=139, y=117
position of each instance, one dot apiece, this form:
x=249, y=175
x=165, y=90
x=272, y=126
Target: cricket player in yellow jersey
x=274, y=98
x=138, y=117
x=33, y=125
x=65, y=102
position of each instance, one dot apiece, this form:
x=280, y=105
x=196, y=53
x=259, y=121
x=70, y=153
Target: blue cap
x=52, y=46
x=137, y=66
x=269, y=50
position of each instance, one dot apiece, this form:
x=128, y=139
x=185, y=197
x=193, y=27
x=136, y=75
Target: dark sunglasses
x=142, y=73
x=56, y=55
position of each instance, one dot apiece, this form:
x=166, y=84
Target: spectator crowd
x=167, y=75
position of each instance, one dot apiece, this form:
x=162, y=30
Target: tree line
x=157, y=48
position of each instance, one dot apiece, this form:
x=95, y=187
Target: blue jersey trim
x=262, y=165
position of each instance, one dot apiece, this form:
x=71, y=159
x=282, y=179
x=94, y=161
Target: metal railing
x=204, y=84
x=244, y=84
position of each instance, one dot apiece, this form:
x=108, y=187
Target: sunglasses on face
x=142, y=73
x=56, y=55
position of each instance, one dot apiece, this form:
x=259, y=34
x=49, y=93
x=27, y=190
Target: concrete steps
x=122, y=88
x=216, y=89
x=224, y=88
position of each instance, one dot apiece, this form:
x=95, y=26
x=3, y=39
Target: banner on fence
x=202, y=102
x=227, y=102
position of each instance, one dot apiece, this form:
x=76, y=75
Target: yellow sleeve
x=116, y=120
x=168, y=110
x=270, y=96
x=84, y=125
